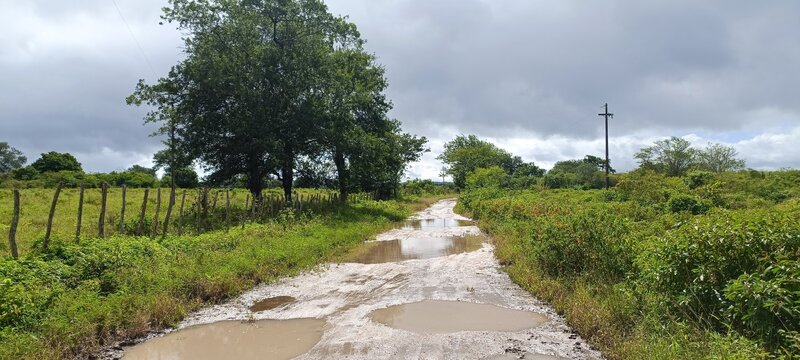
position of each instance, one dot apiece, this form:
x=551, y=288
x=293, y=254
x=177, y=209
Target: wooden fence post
x=197, y=214
x=169, y=211
x=122, y=211
x=80, y=215
x=204, y=205
x=140, y=225
x=101, y=224
x=50, y=217
x=180, y=214
x=227, y=209
x=214, y=204
x=12, y=232
x=158, y=209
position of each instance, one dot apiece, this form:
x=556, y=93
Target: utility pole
x=607, y=115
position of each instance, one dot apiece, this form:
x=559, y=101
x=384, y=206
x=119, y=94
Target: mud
x=345, y=295
x=272, y=303
x=431, y=316
x=265, y=339
x=524, y=356
x=376, y=252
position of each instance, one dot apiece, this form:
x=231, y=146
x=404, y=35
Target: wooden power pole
x=607, y=115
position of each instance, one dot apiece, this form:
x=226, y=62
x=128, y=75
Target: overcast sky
x=529, y=75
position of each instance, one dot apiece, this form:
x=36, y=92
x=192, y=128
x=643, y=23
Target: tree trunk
x=341, y=172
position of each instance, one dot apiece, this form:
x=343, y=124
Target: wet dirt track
x=396, y=301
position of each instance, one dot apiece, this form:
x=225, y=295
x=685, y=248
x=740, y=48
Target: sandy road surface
x=345, y=295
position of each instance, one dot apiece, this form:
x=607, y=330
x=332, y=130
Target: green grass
x=76, y=298
x=35, y=207
x=660, y=268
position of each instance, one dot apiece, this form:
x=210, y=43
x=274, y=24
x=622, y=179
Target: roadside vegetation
x=77, y=297
x=678, y=259
x=282, y=108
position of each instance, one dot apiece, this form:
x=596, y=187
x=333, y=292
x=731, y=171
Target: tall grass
x=35, y=206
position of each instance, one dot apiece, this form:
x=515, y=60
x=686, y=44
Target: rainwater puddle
x=433, y=316
x=418, y=247
x=434, y=224
x=264, y=339
x=272, y=303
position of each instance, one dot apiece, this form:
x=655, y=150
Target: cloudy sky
x=529, y=75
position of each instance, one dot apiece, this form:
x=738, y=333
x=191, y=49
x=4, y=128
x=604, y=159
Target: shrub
x=692, y=265
x=695, y=179
x=766, y=305
x=683, y=202
x=493, y=177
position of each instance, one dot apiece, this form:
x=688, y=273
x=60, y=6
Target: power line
x=138, y=45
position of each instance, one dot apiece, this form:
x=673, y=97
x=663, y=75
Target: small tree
x=719, y=158
x=10, y=158
x=55, y=161
x=673, y=156
x=465, y=154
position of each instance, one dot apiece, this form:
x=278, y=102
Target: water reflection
x=421, y=247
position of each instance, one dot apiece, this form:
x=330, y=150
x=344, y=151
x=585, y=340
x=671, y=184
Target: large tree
x=673, y=156
x=368, y=149
x=719, y=158
x=245, y=97
x=10, y=158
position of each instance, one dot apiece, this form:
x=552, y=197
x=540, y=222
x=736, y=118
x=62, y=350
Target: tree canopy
x=267, y=83
x=675, y=156
x=467, y=153
x=10, y=158
x=56, y=161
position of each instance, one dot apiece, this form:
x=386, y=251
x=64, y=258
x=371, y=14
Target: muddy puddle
x=433, y=316
x=425, y=224
x=420, y=247
x=264, y=339
x=272, y=303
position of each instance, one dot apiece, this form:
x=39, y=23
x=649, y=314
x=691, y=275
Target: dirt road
x=428, y=290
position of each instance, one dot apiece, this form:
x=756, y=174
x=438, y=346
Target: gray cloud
x=530, y=75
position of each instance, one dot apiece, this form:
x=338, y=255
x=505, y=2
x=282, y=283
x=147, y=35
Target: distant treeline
x=476, y=163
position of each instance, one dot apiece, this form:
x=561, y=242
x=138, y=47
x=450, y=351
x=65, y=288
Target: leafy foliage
x=55, y=161
x=10, y=158
x=708, y=261
x=468, y=153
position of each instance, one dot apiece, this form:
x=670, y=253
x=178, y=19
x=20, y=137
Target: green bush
x=683, y=202
x=493, y=177
x=695, y=179
x=693, y=265
x=766, y=304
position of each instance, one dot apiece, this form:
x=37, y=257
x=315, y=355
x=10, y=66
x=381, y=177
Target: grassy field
x=35, y=206
x=70, y=301
x=704, y=266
